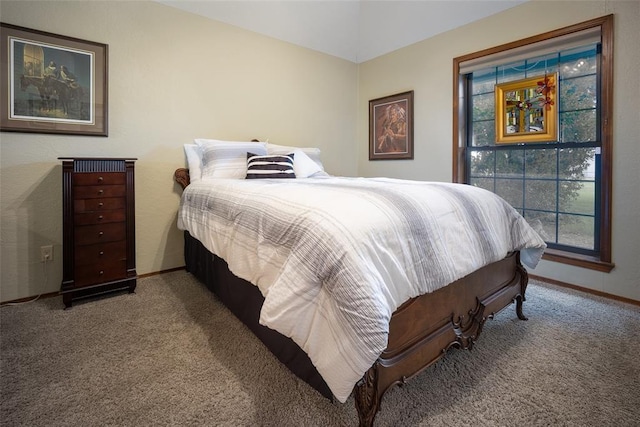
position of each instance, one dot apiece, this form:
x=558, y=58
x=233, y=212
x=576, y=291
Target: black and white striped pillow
x=270, y=166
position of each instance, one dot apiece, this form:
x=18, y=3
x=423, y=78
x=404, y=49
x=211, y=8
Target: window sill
x=578, y=260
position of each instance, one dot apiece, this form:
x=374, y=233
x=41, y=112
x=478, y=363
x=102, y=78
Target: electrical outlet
x=46, y=253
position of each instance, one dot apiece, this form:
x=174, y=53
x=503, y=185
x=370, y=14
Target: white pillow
x=201, y=142
x=311, y=152
x=303, y=166
x=222, y=159
x=194, y=161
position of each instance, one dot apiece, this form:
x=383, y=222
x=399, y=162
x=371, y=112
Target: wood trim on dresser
x=67, y=225
x=131, y=224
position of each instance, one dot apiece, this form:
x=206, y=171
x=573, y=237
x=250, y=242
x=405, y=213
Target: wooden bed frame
x=420, y=331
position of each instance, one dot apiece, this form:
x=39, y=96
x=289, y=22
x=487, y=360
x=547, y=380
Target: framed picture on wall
x=391, y=127
x=53, y=84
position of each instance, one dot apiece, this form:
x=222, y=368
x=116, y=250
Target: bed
x=347, y=306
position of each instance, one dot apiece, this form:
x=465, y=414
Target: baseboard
x=532, y=276
x=585, y=290
x=55, y=294
x=26, y=300
x=155, y=273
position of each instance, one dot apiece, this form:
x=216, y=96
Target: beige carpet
x=171, y=354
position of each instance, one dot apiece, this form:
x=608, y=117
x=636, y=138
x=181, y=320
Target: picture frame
x=526, y=110
x=52, y=83
x=391, y=127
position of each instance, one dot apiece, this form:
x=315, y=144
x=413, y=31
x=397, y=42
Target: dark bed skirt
x=245, y=300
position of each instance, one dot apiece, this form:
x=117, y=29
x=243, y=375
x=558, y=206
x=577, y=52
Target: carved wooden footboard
x=424, y=328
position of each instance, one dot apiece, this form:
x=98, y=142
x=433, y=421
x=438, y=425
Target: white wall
x=427, y=68
x=173, y=77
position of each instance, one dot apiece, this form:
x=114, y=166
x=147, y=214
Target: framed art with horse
x=54, y=84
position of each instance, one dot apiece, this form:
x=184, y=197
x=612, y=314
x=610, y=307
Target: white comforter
x=335, y=257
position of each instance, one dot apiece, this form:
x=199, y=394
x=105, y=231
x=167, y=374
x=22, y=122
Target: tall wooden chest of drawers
x=99, y=251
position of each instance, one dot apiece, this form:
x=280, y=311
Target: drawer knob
x=101, y=272
x=101, y=233
x=99, y=217
x=101, y=253
x=100, y=204
x=100, y=191
x=100, y=179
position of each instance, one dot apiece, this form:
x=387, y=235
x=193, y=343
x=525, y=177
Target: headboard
x=182, y=177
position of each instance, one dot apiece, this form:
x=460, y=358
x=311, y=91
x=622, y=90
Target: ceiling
x=356, y=30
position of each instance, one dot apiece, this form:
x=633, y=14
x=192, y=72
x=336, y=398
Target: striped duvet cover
x=334, y=257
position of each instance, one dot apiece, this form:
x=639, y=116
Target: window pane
x=578, y=93
x=510, y=190
x=510, y=164
x=547, y=64
x=483, y=81
x=540, y=195
x=578, y=126
x=576, y=231
x=578, y=62
x=541, y=163
x=544, y=223
x=486, y=183
x=577, y=163
x=578, y=197
x=482, y=163
x=484, y=133
x=484, y=106
x=511, y=72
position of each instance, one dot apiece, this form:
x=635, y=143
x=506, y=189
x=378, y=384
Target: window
x=33, y=60
x=562, y=187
